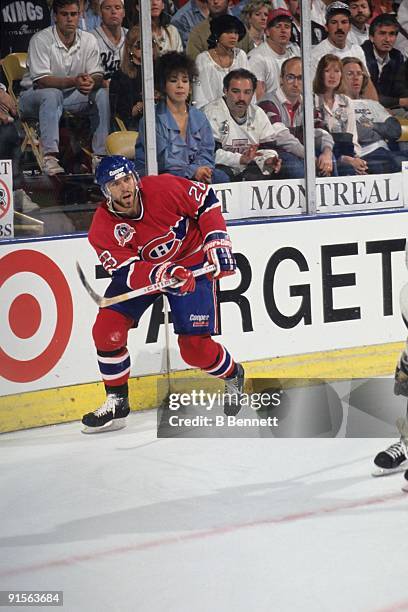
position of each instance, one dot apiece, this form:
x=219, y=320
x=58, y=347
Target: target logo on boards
x=36, y=311
x=5, y=199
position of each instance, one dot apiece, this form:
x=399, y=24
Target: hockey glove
x=401, y=376
x=170, y=270
x=218, y=250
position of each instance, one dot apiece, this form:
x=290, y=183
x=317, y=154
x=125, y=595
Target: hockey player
x=149, y=230
x=395, y=457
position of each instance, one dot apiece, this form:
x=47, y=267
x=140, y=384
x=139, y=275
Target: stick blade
x=96, y=298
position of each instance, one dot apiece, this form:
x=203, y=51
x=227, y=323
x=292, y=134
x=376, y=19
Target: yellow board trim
x=64, y=404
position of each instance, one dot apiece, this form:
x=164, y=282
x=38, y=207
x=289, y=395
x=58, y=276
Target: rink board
x=325, y=286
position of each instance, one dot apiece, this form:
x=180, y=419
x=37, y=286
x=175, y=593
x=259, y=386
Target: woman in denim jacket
x=184, y=140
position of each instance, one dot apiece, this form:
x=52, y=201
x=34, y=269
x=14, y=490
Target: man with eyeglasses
x=285, y=106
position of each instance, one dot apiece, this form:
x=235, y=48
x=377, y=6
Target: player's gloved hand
x=218, y=250
x=170, y=270
x=185, y=276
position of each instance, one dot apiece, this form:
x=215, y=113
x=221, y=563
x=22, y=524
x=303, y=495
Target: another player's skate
x=234, y=388
x=109, y=417
x=395, y=458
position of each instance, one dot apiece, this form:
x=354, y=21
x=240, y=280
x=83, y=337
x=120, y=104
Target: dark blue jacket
x=391, y=84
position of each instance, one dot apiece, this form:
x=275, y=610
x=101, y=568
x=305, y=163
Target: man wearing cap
x=265, y=61
x=64, y=73
x=110, y=36
x=338, y=26
x=197, y=41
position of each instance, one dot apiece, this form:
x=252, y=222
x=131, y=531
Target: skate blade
x=113, y=425
x=378, y=472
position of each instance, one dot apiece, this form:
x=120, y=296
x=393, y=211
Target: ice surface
x=124, y=522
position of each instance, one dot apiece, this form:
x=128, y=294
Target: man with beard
x=360, y=16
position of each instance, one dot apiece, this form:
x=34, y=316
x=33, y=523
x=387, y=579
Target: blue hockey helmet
x=112, y=168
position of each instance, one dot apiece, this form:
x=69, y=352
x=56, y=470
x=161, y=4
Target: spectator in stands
x=188, y=16
x=382, y=7
x=222, y=56
x=248, y=146
x=125, y=90
x=133, y=15
x=165, y=35
x=386, y=64
x=319, y=32
x=375, y=126
x=285, y=105
x=337, y=112
x=64, y=74
x=255, y=17
x=185, y=144
x=265, y=61
x=19, y=21
x=360, y=17
x=111, y=36
x=337, y=43
x=89, y=15
x=197, y=41
x=10, y=148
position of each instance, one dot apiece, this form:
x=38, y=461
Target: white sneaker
x=96, y=160
x=51, y=166
x=23, y=202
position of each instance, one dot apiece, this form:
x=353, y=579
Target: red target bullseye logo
x=5, y=199
x=25, y=315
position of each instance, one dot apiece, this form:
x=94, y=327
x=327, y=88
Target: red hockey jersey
x=176, y=216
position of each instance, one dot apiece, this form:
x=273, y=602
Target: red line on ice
x=200, y=535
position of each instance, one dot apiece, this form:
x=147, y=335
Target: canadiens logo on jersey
x=161, y=249
x=123, y=233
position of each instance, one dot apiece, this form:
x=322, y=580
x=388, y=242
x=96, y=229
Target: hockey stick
x=103, y=302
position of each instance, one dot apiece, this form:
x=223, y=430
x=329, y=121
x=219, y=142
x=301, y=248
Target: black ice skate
x=109, y=417
x=234, y=388
x=395, y=457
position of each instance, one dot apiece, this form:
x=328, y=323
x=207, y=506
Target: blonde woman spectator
x=375, y=126
x=337, y=112
x=222, y=57
x=125, y=92
x=255, y=17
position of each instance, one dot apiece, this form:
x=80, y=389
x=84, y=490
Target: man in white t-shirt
x=64, y=73
x=265, y=61
x=338, y=26
x=110, y=36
